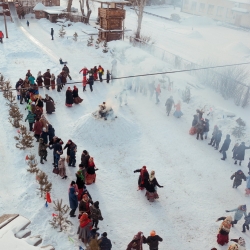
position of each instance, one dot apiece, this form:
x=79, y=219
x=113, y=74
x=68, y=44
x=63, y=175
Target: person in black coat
x=217, y=139
x=66, y=70
x=225, y=147
x=91, y=82
x=44, y=136
x=200, y=129
x=206, y=128
x=52, y=34
x=214, y=134
x=69, y=97
x=241, y=153
x=238, y=177
x=105, y=242
x=153, y=240
x=51, y=132
x=57, y=150
x=195, y=121
x=85, y=158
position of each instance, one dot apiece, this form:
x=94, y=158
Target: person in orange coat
x=178, y=112
x=157, y=93
x=90, y=173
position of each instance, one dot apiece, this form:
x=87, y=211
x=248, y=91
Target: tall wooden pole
x=6, y=30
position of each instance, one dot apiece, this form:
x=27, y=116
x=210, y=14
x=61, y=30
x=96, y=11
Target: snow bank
x=197, y=20
x=111, y=133
x=195, y=34
x=39, y=6
x=238, y=47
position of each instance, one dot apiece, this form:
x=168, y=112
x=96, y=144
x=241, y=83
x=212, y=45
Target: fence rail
x=223, y=81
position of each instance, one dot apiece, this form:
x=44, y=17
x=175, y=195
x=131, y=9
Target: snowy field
x=197, y=186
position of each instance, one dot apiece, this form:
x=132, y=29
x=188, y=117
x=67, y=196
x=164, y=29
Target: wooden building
x=111, y=19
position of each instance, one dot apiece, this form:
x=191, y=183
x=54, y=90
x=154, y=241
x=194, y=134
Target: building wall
x=32, y=3
x=220, y=10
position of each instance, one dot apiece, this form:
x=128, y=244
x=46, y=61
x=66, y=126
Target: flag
x=54, y=215
x=27, y=158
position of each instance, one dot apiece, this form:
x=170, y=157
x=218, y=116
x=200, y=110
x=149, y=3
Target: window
x=202, y=7
x=229, y=13
x=220, y=11
x=186, y=3
x=210, y=9
x=193, y=7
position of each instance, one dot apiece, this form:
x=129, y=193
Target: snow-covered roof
x=39, y=6
x=240, y=1
x=112, y=1
x=240, y=10
x=54, y=9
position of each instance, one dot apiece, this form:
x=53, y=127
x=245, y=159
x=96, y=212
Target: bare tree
x=139, y=8
x=88, y=13
x=69, y=5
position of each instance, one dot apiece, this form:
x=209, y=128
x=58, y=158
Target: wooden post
x=6, y=30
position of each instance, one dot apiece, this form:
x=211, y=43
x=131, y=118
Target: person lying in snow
x=104, y=112
x=61, y=61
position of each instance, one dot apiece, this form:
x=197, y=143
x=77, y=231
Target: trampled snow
x=197, y=186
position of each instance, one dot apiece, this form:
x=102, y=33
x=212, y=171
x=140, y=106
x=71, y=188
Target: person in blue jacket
x=73, y=202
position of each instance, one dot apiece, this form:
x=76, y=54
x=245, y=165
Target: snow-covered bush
x=44, y=185
x=15, y=115
x=105, y=47
x=32, y=163
x=75, y=36
x=90, y=41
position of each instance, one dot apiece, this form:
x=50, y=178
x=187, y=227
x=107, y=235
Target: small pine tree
x=239, y=131
x=75, y=36
x=105, y=49
x=24, y=138
x=15, y=115
x=6, y=89
x=62, y=32
x=90, y=41
x=32, y=163
x=60, y=220
x=97, y=43
x=45, y=185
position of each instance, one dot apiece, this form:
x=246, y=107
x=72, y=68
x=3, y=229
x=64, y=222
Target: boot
x=41, y=162
x=240, y=163
x=223, y=159
x=235, y=162
x=205, y=137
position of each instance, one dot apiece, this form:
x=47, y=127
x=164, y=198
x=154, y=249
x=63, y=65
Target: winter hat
x=152, y=233
x=241, y=242
x=62, y=157
x=214, y=248
x=30, y=101
x=104, y=234
x=96, y=204
x=44, y=129
x=229, y=219
x=33, y=103
x=41, y=139
x=55, y=137
x=84, y=216
x=144, y=167
x=72, y=183
x=85, y=151
x=244, y=207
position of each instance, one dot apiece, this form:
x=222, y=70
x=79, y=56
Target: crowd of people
x=200, y=127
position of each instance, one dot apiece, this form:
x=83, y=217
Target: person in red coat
x=95, y=73
x=1, y=36
x=143, y=177
x=84, y=71
x=90, y=173
x=38, y=128
x=224, y=230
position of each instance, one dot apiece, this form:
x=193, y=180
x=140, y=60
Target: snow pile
x=109, y=133
x=197, y=20
x=195, y=34
x=238, y=47
x=39, y=6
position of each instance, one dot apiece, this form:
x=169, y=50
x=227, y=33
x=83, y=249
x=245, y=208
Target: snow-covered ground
x=197, y=186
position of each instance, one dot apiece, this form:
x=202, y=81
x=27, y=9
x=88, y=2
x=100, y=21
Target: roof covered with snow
x=240, y=10
x=112, y=1
x=54, y=9
x=240, y=1
x=39, y=6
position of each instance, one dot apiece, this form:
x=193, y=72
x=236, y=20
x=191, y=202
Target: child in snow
x=224, y=230
x=61, y=166
x=238, y=177
x=108, y=76
x=178, y=112
x=239, y=212
x=246, y=223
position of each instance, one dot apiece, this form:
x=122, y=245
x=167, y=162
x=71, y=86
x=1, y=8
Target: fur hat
x=241, y=242
x=233, y=247
x=152, y=233
x=244, y=207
